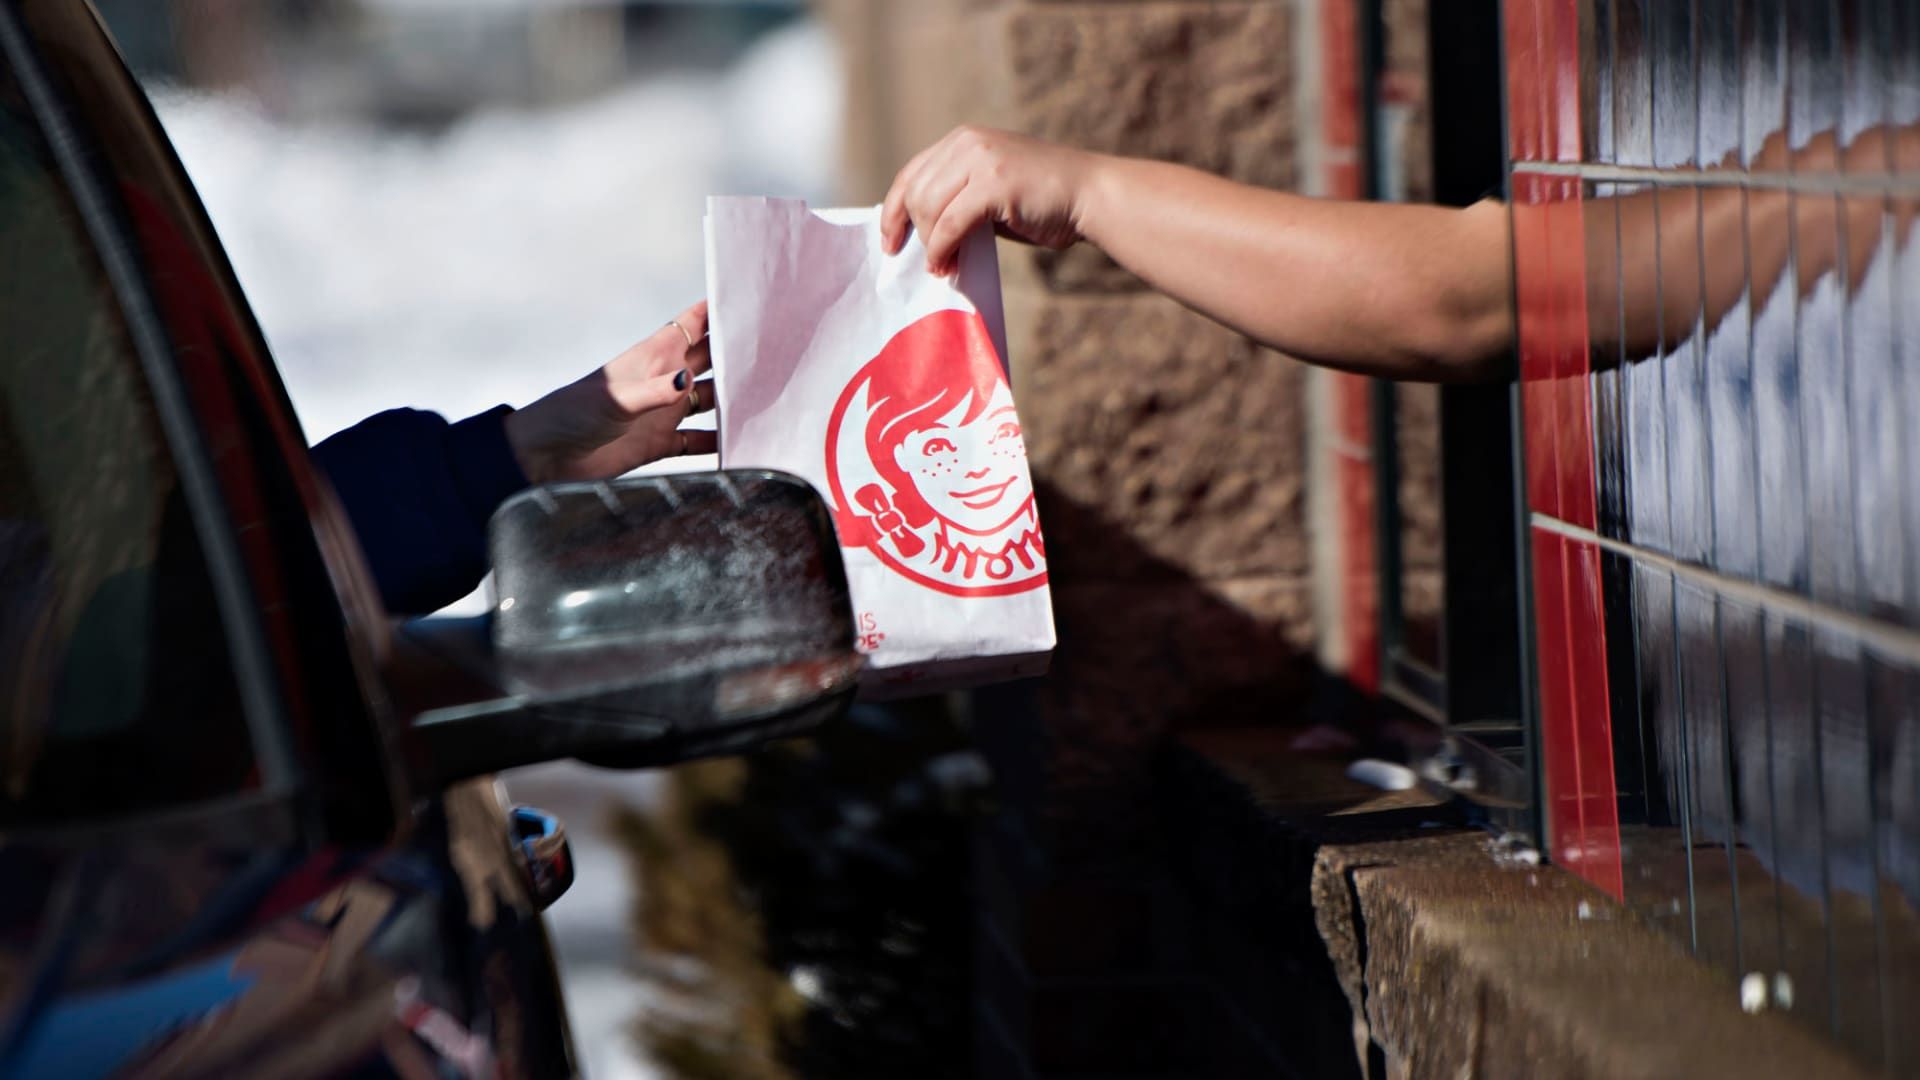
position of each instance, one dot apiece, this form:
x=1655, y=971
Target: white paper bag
x=886, y=388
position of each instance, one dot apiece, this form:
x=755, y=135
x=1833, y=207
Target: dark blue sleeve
x=419, y=492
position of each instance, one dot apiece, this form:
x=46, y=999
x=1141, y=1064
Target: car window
x=116, y=692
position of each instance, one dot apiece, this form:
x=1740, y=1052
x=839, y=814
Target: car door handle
x=541, y=840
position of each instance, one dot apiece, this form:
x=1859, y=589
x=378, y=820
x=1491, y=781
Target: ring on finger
x=693, y=399
x=685, y=448
x=684, y=332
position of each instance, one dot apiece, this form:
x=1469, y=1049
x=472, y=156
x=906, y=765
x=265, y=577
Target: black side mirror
x=639, y=622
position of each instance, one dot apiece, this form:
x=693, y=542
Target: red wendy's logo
x=928, y=465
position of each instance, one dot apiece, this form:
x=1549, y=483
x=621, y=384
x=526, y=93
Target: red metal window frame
x=1549, y=260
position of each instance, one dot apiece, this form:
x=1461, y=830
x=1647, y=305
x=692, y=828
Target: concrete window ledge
x=1455, y=959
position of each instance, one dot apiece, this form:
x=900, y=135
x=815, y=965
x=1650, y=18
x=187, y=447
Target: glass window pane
x=115, y=689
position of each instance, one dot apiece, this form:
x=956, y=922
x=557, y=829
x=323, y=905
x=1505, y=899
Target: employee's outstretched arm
x=1398, y=291
x=1393, y=290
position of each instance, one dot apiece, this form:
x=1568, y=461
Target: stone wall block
x=1406, y=92
x=915, y=69
x=1203, y=84
x=1417, y=431
x=1164, y=445
x=947, y=72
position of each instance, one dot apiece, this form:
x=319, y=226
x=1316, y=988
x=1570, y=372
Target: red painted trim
x=1591, y=722
x=1550, y=273
x=1360, y=585
x=1538, y=388
x=1340, y=70
x=1551, y=290
x=1353, y=414
x=1350, y=395
x=1560, y=764
x=1576, y=739
x=1547, y=127
x=1562, y=60
x=1566, y=236
x=1524, y=113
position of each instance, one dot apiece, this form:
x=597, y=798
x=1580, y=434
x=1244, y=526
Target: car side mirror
x=640, y=622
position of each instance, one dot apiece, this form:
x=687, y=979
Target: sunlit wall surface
x=1719, y=303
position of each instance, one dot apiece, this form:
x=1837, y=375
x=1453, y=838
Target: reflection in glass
x=1703, y=776
x=1754, y=375
x=807, y=912
x=1670, y=48
x=116, y=690
x=1632, y=84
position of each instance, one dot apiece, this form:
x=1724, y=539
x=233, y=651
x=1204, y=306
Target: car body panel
x=323, y=917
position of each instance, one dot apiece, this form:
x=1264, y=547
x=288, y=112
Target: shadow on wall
x=818, y=909
x=1145, y=649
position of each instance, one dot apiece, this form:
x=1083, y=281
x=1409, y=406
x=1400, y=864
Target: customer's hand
x=624, y=415
x=1029, y=190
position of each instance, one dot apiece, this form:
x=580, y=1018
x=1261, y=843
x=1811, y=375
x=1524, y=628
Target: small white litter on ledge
x=1384, y=775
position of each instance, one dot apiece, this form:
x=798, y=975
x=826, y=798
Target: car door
x=210, y=859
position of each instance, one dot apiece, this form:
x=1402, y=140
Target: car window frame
x=254, y=675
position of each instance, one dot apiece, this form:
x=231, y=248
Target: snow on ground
x=512, y=253
x=490, y=264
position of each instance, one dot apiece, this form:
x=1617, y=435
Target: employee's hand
x=624, y=415
x=1029, y=190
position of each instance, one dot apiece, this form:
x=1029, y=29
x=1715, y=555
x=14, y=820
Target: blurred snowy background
x=450, y=204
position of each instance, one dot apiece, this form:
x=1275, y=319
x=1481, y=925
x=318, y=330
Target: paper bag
x=886, y=388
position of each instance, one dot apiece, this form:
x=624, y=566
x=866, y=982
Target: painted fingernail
x=680, y=380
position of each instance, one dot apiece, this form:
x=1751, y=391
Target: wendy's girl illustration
x=928, y=466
